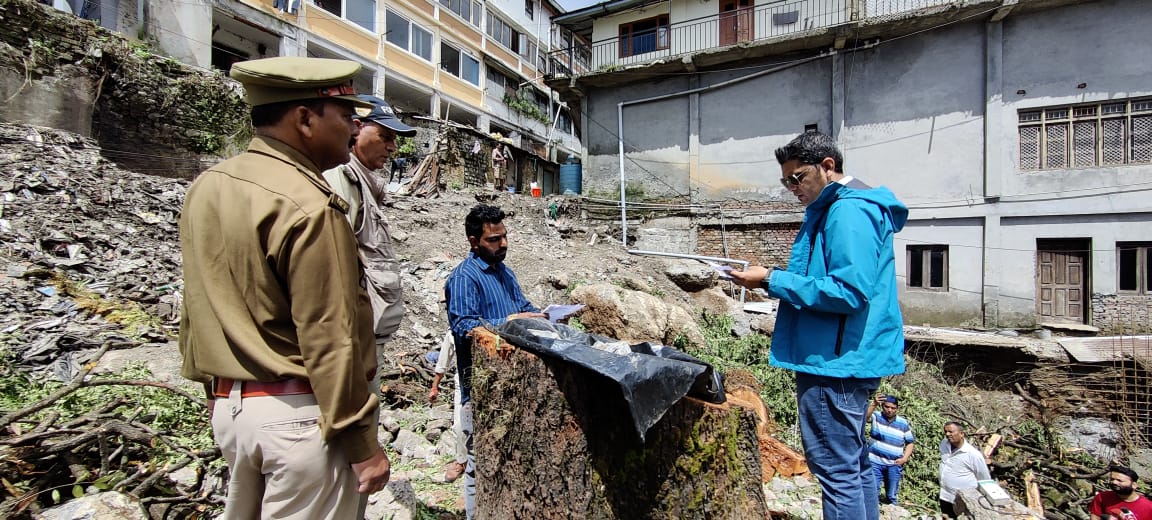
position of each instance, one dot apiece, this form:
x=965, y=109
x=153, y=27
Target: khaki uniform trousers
x=281, y=467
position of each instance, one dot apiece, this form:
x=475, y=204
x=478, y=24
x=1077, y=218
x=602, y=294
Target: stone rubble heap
x=76, y=228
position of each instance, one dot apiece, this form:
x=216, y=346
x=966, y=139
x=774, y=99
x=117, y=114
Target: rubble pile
x=91, y=252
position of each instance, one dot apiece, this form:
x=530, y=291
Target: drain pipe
x=623, y=199
x=742, y=263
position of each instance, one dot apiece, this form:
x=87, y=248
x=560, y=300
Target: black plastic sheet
x=651, y=377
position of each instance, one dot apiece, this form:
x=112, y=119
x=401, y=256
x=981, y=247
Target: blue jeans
x=888, y=474
x=832, y=429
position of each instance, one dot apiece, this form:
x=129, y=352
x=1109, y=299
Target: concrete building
x=476, y=63
x=1019, y=132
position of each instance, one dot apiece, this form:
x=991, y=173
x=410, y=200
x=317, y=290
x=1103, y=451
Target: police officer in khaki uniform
x=275, y=320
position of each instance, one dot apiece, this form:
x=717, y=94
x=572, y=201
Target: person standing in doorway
x=839, y=326
x=499, y=166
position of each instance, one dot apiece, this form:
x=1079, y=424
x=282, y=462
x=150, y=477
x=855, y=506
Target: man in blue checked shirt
x=892, y=444
x=480, y=290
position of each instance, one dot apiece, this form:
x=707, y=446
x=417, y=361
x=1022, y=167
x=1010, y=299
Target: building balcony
x=642, y=44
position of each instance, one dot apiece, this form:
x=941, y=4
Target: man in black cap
x=359, y=182
x=275, y=322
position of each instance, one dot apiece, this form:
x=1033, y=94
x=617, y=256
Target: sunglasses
x=794, y=179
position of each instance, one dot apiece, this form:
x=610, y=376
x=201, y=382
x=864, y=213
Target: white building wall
x=934, y=117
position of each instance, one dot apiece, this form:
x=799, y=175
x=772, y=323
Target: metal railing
x=726, y=29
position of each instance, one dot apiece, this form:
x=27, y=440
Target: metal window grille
x=1112, y=141
x=1141, y=139
x=1056, y=146
x=1082, y=136
x=1029, y=147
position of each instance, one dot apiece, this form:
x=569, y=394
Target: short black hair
x=480, y=215
x=1125, y=471
x=811, y=148
x=956, y=424
x=272, y=113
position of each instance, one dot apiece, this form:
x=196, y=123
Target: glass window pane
x=397, y=30
x=421, y=43
x=362, y=13
x=470, y=69
x=450, y=59
x=1128, y=269
x=936, y=268
x=915, y=267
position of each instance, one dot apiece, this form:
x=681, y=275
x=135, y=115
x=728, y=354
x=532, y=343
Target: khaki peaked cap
x=294, y=78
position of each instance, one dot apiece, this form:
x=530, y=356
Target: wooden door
x=1061, y=280
x=736, y=23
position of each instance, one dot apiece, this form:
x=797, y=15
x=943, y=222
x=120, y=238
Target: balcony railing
x=726, y=29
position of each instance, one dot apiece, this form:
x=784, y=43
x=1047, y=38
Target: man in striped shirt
x=480, y=290
x=892, y=444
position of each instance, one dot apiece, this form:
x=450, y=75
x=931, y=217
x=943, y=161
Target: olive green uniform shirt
x=272, y=287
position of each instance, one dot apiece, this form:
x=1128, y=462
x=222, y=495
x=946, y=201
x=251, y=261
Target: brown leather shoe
x=455, y=469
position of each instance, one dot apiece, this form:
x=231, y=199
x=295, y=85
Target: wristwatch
x=768, y=278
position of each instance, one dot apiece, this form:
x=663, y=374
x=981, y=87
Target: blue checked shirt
x=477, y=292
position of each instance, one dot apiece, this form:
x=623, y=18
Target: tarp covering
x=651, y=377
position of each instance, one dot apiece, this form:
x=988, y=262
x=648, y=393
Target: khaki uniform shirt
x=272, y=287
x=365, y=193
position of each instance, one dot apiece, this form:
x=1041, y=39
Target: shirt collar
x=279, y=149
x=484, y=266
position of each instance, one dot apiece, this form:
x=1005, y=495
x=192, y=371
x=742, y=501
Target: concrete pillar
x=294, y=42
x=434, y=105
x=837, y=64
x=484, y=123
x=993, y=109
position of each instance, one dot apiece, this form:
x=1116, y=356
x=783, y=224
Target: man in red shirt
x=1122, y=502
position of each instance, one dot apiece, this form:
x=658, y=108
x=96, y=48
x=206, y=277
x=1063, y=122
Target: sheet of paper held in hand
x=721, y=270
x=558, y=312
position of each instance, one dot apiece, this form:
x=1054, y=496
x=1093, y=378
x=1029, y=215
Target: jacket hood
x=856, y=189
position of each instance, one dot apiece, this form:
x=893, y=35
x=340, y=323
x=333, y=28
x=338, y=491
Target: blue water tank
x=570, y=177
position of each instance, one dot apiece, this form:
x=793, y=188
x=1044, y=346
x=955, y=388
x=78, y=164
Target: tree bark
x=554, y=440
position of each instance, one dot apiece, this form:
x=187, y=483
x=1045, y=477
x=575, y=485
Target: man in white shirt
x=961, y=466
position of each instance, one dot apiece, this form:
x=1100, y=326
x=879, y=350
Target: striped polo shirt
x=888, y=439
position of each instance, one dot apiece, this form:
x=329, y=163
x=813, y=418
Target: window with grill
x=644, y=36
x=1133, y=270
x=928, y=267
x=1082, y=136
x=408, y=36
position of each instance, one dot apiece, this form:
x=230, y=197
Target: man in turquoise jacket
x=839, y=324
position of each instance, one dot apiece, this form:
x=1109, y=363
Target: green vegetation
x=523, y=103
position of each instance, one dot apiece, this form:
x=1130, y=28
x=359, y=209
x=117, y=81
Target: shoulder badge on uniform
x=335, y=201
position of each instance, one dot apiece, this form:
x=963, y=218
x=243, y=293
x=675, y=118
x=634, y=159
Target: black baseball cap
x=383, y=115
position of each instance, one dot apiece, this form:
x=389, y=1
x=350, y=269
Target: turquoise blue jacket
x=839, y=316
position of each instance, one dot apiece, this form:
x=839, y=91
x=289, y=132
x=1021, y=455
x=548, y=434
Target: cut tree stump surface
x=554, y=440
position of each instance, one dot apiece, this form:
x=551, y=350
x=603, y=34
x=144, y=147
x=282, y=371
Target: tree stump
x=554, y=440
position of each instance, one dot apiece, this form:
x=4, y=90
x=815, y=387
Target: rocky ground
x=89, y=253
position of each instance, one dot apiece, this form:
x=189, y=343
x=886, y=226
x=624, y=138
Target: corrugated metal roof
x=1105, y=349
